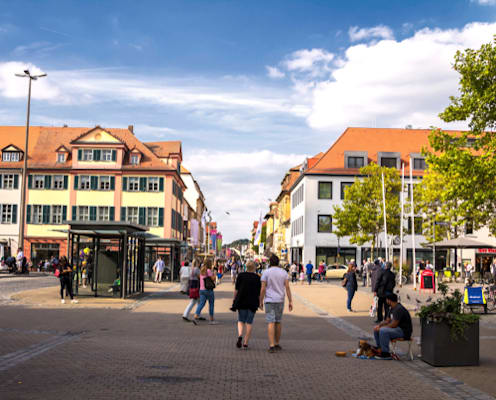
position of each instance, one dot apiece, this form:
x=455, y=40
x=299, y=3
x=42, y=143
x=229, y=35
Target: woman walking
x=65, y=275
x=246, y=301
x=194, y=290
x=207, y=286
x=184, y=277
x=350, y=283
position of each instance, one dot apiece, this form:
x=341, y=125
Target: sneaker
x=238, y=343
x=272, y=349
x=350, y=310
x=201, y=319
x=186, y=319
x=277, y=347
x=62, y=301
x=383, y=356
x=74, y=301
x=213, y=323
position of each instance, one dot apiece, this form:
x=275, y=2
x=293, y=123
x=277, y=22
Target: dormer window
x=419, y=164
x=135, y=159
x=355, y=162
x=87, y=155
x=355, y=159
x=389, y=159
x=11, y=156
x=389, y=162
x=61, y=158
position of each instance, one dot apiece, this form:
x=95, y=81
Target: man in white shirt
x=159, y=267
x=19, y=257
x=429, y=266
x=184, y=274
x=469, y=269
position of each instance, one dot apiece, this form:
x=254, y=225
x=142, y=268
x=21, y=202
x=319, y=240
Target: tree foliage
x=360, y=215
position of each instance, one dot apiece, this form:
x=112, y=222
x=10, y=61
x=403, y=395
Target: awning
x=460, y=243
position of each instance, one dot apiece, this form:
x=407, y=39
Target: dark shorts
x=246, y=316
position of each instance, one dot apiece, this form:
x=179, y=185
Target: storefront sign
x=490, y=251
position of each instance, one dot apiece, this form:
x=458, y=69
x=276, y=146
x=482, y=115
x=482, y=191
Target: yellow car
x=336, y=271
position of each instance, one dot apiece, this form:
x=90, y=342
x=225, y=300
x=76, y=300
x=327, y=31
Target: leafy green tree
x=360, y=215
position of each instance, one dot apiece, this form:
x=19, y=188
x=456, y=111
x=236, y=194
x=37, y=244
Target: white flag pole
x=385, y=221
x=402, y=194
x=412, y=212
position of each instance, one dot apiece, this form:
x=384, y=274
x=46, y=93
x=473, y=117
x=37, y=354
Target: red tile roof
x=165, y=149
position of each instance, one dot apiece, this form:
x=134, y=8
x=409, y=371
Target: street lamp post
x=28, y=75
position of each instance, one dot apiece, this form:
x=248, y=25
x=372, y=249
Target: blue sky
x=251, y=88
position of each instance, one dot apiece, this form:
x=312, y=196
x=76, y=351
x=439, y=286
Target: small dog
x=365, y=349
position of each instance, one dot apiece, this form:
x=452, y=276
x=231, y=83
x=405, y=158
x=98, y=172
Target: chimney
x=131, y=128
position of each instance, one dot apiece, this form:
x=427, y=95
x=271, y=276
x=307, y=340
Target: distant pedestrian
x=275, y=285
x=309, y=271
x=321, y=271
x=293, y=269
x=246, y=302
x=350, y=284
x=302, y=277
x=65, y=276
x=193, y=289
x=207, y=286
x=385, y=286
x=159, y=267
x=493, y=270
x=184, y=274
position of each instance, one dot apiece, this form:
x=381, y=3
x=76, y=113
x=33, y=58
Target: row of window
x=149, y=216
x=87, y=182
x=46, y=214
x=142, y=184
x=389, y=162
x=176, y=190
x=297, y=197
x=325, y=190
x=8, y=213
x=9, y=181
x=297, y=226
x=97, y=155
x=51, y=182
x=11, y=156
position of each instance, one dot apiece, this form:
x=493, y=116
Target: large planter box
x=439, y=350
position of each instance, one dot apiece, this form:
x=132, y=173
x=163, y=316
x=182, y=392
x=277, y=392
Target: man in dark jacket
x=375, y=273
x=385, y=286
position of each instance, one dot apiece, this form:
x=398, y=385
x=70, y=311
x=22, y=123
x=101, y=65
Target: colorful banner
x=195, y=232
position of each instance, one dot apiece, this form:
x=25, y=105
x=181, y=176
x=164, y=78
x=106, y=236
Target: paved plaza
x=143, y=350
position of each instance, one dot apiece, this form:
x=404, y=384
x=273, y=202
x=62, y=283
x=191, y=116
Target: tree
x=466, y=162
x=360, y=216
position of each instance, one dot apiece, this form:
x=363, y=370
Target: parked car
x=336, y=271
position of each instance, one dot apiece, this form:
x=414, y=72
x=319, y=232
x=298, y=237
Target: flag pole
x=412, y=212
x=401, y=219
x=385, y=220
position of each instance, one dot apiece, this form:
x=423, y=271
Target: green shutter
x=173, y=219
x=161, y=216
x=16, y=181
x=14, y=214
x=1, y=181
x=96, y=155
x=112, y=183
x=76, y=182
x=114, y=155
x=48, y=182
x=46, y=214
x=94, y=183
x=28, y=215
x=66, y=181
x=80, y=154
x=124, y=184
x=141, y=214
x=123, y=214
x=30, y=181
x=64, y=213
x=142, y=184
x=74, y=213
x=92, y=213
x=161, y=184
x=112, y=213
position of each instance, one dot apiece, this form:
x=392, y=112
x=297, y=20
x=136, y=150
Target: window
x=389, y=162
x=85, y=182
x=39, y=182
x=87, y=155
x=103, y=213
x=133, y=185
x=153, y=184
x=134, y=159
x=469, y=228
x=37, y=217
x=6, y=214
x=418, y=225
x=56, y=214
x=344, y=185
x=325, y=223
x=152, y=216
x=104, y=183
x=419, y=164
x=106, y=155
x=8, y=181
x=297, y=196
x=83, y=213
x=60, y=157
x=132, y=215
x=297, y=226
x=355, y=162
x=9, y=156
x=325, y=190
x=58, y=182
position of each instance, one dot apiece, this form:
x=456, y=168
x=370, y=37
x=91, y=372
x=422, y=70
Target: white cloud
x=314, y=61
x=484, y=2
x=274, y=72
x=239, y=182
x=380, y=31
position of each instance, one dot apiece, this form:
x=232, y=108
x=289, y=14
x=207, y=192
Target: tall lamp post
x=31, y=78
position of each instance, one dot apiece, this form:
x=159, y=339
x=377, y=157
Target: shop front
x=335, y=255
x=483, y=259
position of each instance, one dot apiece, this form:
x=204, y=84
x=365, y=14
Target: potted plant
x=449, y=337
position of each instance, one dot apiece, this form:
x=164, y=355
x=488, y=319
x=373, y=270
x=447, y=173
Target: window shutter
x=112, y=183
x=74, y=213
x=123, y=214
x=28, y=214
x=30, y=181
x=14, y=214
x=96, y=155
x=173, y=219
x=1, y=181
x=112, y=213
x=141, y=214
x=48, y=182
x=16, y=181
x=66, y=181
x=114, y=155
x=124, y=184
x=94, y=182
x=142, y=183
x=76, y=182
x=64, y=213
x=46, y=214
x=80, y=154
x=93, y=213
x=161, y=216
x=161, y=184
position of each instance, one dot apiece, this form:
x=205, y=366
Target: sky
x=251, y=88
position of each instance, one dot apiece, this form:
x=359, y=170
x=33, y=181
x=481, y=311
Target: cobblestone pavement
x=148, y=352
x=10, y=284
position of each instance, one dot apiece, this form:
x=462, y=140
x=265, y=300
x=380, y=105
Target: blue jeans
x=384, y=336
x=309, y=279
x=351, y=294
x=204, y=296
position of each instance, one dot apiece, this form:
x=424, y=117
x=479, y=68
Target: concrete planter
x=439, y=350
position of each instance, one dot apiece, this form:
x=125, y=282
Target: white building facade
x=10, y=199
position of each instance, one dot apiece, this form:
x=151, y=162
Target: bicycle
x=490, y=294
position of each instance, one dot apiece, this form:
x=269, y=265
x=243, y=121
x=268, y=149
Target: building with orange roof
x=90, y=174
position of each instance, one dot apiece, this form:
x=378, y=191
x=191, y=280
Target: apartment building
x=196, y=202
